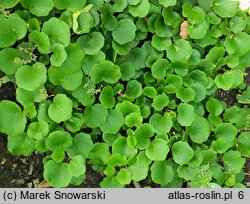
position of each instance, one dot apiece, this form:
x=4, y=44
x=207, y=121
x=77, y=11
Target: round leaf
x=58, y=139
x=186, y=114
x=91, y=43
x=233, y=161
x=124, y=32
x=61, y=108
x=244, y=143
x=157, y=150
x=113, y=122
x=182, y=152
x=199, y=131
x=105, y=71
x=12, y=119
x=161, y=172
x=57, y=174
x=31, y=78
x=38, y=8
x=161, y=124
x=225, y=8
x=21, y=145
x=38, y=130
x=124, y=176
x=91, y=113
x=82, y=145
x=57, y=30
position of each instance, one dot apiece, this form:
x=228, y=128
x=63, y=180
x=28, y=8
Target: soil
x=20, y=172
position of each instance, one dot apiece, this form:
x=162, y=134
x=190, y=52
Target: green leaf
x=21, y=144
x=77, y=166
x=59, y=55
x=75, y=123
x=6, y=4
x=186, y=114
x=31, y=78
x=85, y=21
x=91, y=60
x=74, y=60
x=161, y=172
x=141, y=9
x=225, y=8
x=187, y=172
x=42, y=41
x=12, y=119
x=167, y=3
x=107, y=97
x=82, y=145
x=180, y=50
x=61, y=108
x=214, y=106
x=124, y=176
x=127, y=107
x=149, y=91
x=133, y=119
x=127, y=71
x=237, y=24
x=120, y=145
x=57, y=30
x=157, y=150
x=142, y=135
x=185, y=94
x=227, y=132
x=13, y=29
x=58, y=139
x=244, y=143
x=72, y=6
x=9, y=60
x=159, y=68
x=91, y=113
x=110, y=182
x=233, y=162
x=72, y=81
x=180, y=67
x=99, y=155
x=57, y=174
x=196, y=160
x=160, y=101
x=124, y=32
x=38, y=8
x=139, y=171
x=58, y=155
x=162, y=124
x=199, y=131
x=196, y=15
x=119, y=6
x=133, y=89
x=160, y=43
x=198, y=31
x=220, y=145
x=225, y=81
x=91, y=43
x=182, y=152
x=117, y=159
x=105, y=71
x=38, y=130
x=113, y=122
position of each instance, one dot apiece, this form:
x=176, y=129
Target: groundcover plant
x=133, y=87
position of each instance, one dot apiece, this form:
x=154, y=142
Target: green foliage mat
x=129, y=86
